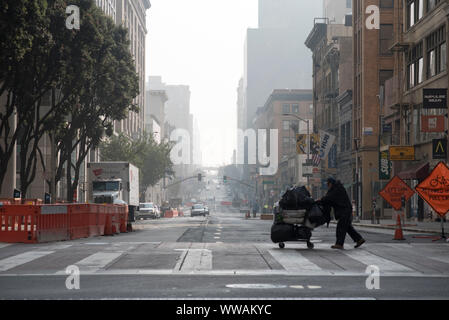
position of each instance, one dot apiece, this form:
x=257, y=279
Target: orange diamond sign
x=395, y=190
x=435, y=189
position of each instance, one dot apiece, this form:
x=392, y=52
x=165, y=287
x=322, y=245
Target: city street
x=223, y=256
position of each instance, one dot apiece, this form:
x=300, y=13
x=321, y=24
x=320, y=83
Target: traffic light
x=200, y=177
x=225, y=179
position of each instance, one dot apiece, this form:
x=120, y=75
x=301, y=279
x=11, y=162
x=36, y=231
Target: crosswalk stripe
x=97, y=261
x=293, y=261
x=194, y=260
x=14, y=261
x=384, y=265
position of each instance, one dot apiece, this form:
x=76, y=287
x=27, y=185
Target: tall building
x=373, y=65
x=275, y=54
x=331, y=45
x=109, y=7
x=271, y=116
x=419, y=71
x=132, y=15
x=337, y=10
x=275, y=57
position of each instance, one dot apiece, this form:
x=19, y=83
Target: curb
x=393, y=228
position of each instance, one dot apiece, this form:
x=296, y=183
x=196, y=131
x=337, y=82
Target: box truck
x=114, y=182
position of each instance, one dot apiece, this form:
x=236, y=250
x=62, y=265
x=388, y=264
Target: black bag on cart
x=319, y=215
x=289, y=232
x=296, y=198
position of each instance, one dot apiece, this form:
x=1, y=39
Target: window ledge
x=426, y=82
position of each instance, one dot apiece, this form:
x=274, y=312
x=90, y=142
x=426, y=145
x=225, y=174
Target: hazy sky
x=200, y=43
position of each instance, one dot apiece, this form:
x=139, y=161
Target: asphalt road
x=223, y=256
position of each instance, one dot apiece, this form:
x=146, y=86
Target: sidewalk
x=424, y=227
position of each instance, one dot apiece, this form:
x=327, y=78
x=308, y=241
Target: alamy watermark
x=373, y=20
x=73, y=280
x=73, y=20
x=373, y=280
x=255, y=142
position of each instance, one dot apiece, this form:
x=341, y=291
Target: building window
x=436, y=52
x=286, y=125
x=285, y=108
x=348, y=4
x=385, y=38
x=348, y=136
x=415, y=65
x=295, y=108
x=415, y=10
x=431, y=4
x=342, y=138
x=387, y=3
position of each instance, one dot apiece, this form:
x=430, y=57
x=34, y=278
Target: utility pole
x=308, y=143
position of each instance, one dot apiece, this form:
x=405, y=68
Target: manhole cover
x=255, y=286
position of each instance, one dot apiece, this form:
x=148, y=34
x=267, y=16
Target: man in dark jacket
x=337, y=198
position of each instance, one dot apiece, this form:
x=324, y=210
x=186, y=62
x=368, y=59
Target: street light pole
x=308, y=142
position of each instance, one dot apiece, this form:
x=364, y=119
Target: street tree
x=152, y=158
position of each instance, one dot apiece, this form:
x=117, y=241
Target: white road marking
x=22, y=258
x=368, y=259
x=293, y=261
x=441, y=259
x=314, y=287
x=297, y=287
x=194, y=260
x=96, y=261
x=4, y=245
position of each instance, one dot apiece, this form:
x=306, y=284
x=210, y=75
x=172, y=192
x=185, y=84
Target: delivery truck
x=115, y=183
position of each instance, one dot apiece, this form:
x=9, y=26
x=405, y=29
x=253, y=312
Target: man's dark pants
x=344, y=226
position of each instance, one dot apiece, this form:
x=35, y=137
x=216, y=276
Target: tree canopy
x=152, y=158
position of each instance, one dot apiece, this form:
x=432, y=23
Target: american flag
x=316, y=160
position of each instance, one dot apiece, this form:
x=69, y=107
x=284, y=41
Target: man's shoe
x=337, y=246
x=359, y=243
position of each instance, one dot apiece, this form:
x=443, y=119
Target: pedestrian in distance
x=338, y=199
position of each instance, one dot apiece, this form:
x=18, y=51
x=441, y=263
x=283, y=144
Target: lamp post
x=308, y=142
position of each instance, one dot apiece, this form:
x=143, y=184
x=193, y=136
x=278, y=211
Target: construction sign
x=395, y=190
x=435, y=189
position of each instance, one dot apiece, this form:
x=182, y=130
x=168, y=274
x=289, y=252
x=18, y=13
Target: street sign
x=267, y=182
x=402, y=153
x=384, y=166
x=435, y=189
x=434, y=98
x=307, y=170
x=368, y=131
x=432, y=123
x=394, y=191
x=439, y=149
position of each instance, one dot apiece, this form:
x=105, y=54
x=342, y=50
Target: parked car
x=206, y=210
x=197, y=210
x=147, y=211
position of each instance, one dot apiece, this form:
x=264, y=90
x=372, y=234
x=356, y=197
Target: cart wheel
x=310, y=245
x=282, y=245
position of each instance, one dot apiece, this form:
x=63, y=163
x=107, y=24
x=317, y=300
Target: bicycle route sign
x=395, y=190
x=435, y=189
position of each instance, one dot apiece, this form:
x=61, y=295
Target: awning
x=416, y=172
